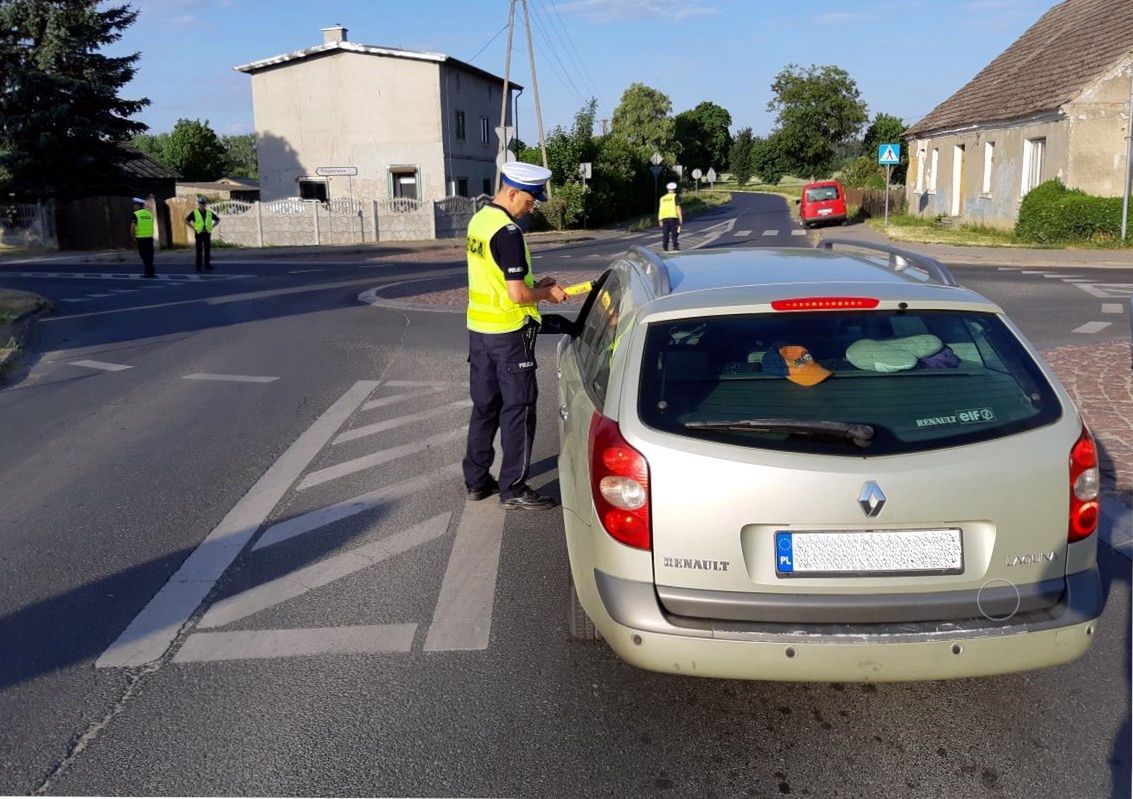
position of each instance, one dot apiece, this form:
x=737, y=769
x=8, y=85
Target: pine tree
x=61, y=119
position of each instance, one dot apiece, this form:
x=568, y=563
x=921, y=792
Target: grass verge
x=13, y=305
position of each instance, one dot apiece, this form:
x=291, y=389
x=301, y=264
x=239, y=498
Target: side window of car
x=599, y=331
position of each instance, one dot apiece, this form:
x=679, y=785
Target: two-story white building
x=345, y=120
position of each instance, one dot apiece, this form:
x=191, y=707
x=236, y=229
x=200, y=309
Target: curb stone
x=13, y=330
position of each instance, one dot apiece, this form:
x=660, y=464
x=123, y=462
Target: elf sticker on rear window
x=967, y=416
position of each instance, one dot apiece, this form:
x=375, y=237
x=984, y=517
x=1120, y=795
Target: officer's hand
x=556, y=295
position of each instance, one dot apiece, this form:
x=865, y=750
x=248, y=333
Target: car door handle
x=563, y=412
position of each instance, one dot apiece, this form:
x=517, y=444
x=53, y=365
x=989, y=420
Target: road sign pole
x=888, y=172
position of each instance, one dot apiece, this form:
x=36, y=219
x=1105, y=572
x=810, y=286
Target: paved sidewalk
x=998, y=256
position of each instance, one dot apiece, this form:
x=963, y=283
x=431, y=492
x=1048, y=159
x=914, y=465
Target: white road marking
x=743, y=232
x=152, y=631
x=304, y=271
x=300, y=581
x=160, y=279
x=393, y=399
x=1107, y=291
x=1092, y=327
x=463, y=616
x=349, y=467
x=400, y=421
x=98, y=296
x=255, y=644
x=300, y=525
x=230, y=378
x=712, y=233
x=797, y=232
x=108, y=367
x=771, y=233
x=1031, y=272
x=1112, y=307
x=75, y=299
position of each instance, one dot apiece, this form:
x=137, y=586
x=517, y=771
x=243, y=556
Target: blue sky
x=906, y=55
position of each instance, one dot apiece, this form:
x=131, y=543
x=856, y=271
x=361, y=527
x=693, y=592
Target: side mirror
x=797, y=202
x=557, y=324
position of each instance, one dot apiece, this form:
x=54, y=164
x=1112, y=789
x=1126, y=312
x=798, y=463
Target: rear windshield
x=852, y=383
x=822, y=193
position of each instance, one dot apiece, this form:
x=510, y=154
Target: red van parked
x=822, y=202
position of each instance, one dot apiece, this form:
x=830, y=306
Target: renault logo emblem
x=872, y=499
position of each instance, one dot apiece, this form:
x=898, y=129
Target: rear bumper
x=635, y=625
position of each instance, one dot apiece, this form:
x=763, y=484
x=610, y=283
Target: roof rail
x=899, y=260
x=654, y=267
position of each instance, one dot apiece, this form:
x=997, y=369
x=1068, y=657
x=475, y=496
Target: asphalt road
x=232, y=532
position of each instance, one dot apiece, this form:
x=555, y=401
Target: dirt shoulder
x=16, y=308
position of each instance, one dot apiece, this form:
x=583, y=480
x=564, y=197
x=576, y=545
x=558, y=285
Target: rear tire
x=579, y=625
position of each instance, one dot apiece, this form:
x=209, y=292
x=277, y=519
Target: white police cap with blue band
x=526, y=177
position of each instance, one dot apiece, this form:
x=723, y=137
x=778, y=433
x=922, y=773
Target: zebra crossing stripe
x=401, y=421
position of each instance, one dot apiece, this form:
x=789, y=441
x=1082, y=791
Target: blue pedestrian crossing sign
x=889, y=154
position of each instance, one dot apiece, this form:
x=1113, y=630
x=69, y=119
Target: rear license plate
x=825, y=211
x=868, y=553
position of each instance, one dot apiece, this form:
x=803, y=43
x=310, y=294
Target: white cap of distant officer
x=671, y=186
x=526, y=177
x=139, y=201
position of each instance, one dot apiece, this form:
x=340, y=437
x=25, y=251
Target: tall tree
x=770, y=160
x=886, y=129
x=61, y=119
x=739, y=161
x=243, y=160
x=196, y=151
x=703, y=136
x=818, y=108
x=642, y=120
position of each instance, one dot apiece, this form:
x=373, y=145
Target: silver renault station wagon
x=832, y=464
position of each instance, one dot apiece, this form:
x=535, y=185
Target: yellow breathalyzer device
x=578, y=288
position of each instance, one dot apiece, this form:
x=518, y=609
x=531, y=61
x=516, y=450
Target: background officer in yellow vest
x=202, y=221
x=670, y=217
x=503, y=318
x=141, y=228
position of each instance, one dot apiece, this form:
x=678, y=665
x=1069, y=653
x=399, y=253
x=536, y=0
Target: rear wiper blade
x=860, y=434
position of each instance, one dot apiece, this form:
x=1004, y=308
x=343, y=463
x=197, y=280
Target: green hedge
x=1052, y=213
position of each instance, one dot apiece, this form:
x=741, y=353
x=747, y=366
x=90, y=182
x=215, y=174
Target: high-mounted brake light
x=1083, y=488
x=619, y=484
x=824, y=303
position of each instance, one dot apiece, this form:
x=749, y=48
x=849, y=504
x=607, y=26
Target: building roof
x=223, y=184
x=137, y=164
x=1069, y=47
x=366, y=49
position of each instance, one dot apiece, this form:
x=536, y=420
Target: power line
x=495, y=36
x=557, y=64
x=579, y=60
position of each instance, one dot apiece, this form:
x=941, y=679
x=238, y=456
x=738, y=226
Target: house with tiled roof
x=1055, y=104
x=344, y=120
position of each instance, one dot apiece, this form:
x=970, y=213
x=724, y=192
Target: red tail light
x=619, y=483
x=824, y=303
x=1083, y=488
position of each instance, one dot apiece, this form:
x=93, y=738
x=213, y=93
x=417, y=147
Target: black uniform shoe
x=489, y=488
x=528, y=500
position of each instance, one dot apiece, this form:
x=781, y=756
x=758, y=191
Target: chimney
x=335, y=33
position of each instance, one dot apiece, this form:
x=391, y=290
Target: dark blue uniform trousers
x=504, y=391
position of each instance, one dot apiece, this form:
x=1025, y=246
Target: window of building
x=485, y=131
x=1033, y=152
x=932, y=170
x=462, y=187
x=460, y=125
x=920, y=170
x=313, y=189
x=404, y=181
x=989, y=166
x=487, y=186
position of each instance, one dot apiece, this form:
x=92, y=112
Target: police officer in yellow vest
x=503, y=318
x=141, y=228
x=670, y=217
x=202, y=221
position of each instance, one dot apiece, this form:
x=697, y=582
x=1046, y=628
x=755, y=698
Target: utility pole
x=535, y=86
x=1128, y=160
x=507, y=91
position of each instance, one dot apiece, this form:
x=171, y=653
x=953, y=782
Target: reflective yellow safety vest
x=668, y=208
x=202, y=222
x=143, y=221
x=490, y=310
